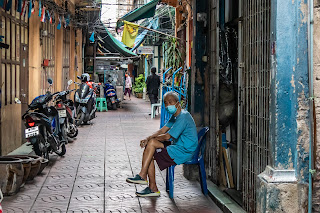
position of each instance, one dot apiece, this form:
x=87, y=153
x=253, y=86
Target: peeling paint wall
x=289, y=106
x=289, y=110
x=280, y=197
x=316, y=88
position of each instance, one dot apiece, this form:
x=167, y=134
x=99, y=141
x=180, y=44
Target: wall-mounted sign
x=145, y=50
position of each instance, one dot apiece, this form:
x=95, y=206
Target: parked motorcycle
x=85, y=101
x=111, y=96
x=66, y=113
x=42, y=126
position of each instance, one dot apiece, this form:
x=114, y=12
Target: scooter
x=111, y=96
x=66, y=113
x=42, y=126
x=85, y=103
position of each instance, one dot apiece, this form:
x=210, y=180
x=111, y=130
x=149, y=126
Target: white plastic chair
x=153, y=110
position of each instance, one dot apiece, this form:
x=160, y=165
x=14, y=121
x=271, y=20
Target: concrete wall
x=316, y=87
x=10, y=128
x=34, y=56
x=72, y=71
x=289, y=110
x=59, y=57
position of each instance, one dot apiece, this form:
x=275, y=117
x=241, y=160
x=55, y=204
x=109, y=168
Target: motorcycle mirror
x=70, y=82
x=50, y=81
x=78, y=77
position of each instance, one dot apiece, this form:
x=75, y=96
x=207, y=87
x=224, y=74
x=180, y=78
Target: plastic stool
x=153, y=112
x=101, y=104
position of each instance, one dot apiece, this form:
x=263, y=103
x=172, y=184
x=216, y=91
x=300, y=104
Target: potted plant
x=139, y=84
x=173, y=53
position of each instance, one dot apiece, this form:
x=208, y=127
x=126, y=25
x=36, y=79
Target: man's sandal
x=147, y=192
x=137, y=180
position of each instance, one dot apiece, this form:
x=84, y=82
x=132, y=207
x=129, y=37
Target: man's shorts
x=163, y=158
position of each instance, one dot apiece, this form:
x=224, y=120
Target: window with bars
x=66, y=57
x=255, y=95
x=48, y=53
x=14, y=28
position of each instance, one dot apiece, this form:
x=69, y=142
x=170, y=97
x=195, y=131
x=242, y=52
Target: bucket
x=44, y=162
x=26, y=162
x=35, y=167
x=11, y=175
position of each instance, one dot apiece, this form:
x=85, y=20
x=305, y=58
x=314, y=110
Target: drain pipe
x=310, y=68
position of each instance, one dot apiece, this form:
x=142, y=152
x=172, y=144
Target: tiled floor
x=91, y=176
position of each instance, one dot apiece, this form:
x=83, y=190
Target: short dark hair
x=153, y=69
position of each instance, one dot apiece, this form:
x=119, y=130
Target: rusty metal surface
x=91, y=176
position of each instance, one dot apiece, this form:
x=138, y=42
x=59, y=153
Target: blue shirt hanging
x=8, y=5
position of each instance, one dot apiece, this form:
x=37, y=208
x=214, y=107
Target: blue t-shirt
x=185, y=139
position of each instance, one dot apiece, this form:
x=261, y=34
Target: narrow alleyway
x=91, y=176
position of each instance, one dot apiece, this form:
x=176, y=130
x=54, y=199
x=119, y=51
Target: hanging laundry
x=130, y=33
x=30, y=9
x=39, y=8
x=23, y=7
x=59, y=24
x=48, y=16
x=67, y=21
x=53, y=17
x=92, y=37
x=2, y=3
x=19, y=7
x=63, y=21
x=43, y=14
x=8, y=5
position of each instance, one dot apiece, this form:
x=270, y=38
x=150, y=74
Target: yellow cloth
x=130, y=33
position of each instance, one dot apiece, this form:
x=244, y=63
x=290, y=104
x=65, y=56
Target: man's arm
x=161, y=131
x=160, y=135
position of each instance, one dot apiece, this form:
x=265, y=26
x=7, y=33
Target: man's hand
x=143, y=143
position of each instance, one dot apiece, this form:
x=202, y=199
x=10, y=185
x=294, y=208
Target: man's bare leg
x=148, y=156
x=152, y=177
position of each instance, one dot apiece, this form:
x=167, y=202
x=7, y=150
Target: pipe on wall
x=239, y=126
x=311, y=123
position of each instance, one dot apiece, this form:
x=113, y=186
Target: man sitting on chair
x=182, y=130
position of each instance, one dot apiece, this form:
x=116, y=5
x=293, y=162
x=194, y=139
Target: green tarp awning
x=112, y=44
x=146, y=11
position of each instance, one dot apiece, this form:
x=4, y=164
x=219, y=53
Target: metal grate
x=255, y=95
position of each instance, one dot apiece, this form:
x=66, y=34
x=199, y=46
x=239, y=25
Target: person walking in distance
x=127, y=91
x=153, y=84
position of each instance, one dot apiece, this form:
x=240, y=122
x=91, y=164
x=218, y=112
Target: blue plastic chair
x=197, y=159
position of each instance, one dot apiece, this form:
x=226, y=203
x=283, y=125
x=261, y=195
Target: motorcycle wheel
x=37, y=150
x=74, y=132
x=80, y=118
x=61, y=150
x=64, y=132
x=114, y=106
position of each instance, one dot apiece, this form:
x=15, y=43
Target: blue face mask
x=171, y=109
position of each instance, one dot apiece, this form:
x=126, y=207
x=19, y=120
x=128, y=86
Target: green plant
x=174, y=57
x=139, y=84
